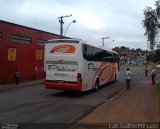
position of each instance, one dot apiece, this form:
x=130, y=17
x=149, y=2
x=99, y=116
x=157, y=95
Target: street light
x=61, y=24
x=103, y=40
x=74, y=21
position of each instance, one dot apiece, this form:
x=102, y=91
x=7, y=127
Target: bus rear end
x=61, y=65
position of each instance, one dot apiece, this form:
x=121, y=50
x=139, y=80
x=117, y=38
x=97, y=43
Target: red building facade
x=22, y=48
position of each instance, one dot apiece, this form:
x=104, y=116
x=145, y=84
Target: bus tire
x=96, y=87
x=115, y=77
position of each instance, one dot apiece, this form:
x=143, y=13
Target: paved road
x=35, y=104
x=57, y=109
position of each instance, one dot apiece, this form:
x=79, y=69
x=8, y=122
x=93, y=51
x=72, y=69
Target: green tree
x=154, y=56
x=138, y=50
x=120, y=49
x=117, y=49
x=151, y=23
x=133, y=50
x=157, y=55
x=123, y=48
x=151, y=57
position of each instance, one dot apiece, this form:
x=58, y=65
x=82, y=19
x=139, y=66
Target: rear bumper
x=63, y=86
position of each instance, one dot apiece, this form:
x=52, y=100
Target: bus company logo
x=63, y=49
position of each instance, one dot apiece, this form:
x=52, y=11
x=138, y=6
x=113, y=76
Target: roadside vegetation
x=136, y=65
x=154, y=56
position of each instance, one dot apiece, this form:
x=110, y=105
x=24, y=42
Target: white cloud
x=120, y=20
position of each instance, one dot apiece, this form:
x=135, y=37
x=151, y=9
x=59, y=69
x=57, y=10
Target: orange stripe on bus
x=63, y=49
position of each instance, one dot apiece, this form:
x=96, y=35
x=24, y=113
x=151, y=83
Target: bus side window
x=85, y=48
x=85, y=53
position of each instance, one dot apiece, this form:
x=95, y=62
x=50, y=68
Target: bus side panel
x=113, y=72
x=87, y=76
x=81, y=68
x=105, y=71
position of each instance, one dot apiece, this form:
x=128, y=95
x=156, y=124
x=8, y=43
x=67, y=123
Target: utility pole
x=61, y=24
x=103, y=40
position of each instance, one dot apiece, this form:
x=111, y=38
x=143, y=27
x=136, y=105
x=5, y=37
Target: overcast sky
x=121, y=20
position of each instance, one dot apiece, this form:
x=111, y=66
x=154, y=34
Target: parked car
x=133, y=62
x=158, y=66
x=145, y=62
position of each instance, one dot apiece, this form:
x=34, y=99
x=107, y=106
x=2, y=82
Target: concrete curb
x=22, y=84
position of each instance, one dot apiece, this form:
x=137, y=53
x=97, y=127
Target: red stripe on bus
x=63, y=86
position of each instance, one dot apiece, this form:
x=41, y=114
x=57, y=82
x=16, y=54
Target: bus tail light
x=79, y=77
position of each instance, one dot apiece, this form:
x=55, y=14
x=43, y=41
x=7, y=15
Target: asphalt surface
x=37, y=107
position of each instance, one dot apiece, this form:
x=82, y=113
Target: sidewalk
x=136, y=105
x=21, y=84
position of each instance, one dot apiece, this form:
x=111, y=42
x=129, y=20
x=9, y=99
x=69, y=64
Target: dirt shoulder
x=137, y=105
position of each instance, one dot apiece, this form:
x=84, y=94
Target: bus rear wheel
x=115, y=77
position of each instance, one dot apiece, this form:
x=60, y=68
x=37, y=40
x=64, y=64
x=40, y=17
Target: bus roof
x=77, y=41
x=63, y=40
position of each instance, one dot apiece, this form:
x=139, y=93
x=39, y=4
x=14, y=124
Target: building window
x=39, y=54
x=20, y=39
x=41, y=41
x=0, y=36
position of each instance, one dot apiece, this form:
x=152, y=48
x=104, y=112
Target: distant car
x=133, y=62
x=145, y=62
x=158, y=66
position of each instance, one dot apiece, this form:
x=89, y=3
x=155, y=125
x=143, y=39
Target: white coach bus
x=75, y=65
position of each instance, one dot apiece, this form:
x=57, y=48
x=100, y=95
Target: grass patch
x=158, y=94
x=133, y=65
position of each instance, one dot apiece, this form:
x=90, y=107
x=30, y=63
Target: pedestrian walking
x=128, y=75
x=146, y=70
x=153, y=75
x=17, y=76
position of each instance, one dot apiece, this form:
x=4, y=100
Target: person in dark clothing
x=17, y=76
x=146, y=70
x=153, y=74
